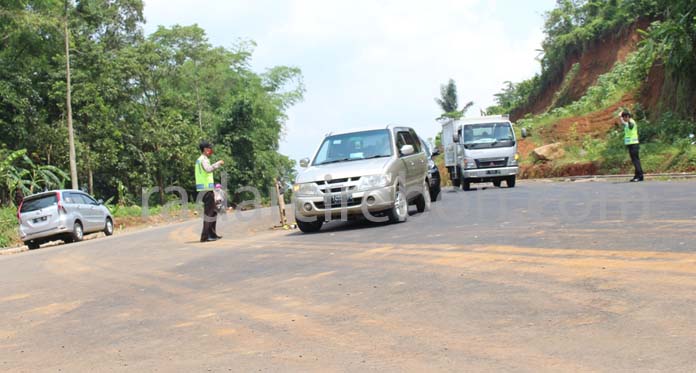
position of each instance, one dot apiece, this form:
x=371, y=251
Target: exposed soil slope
x=597, y=59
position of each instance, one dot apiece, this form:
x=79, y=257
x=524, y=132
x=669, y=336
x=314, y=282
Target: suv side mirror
x=100, y=202
x=436, y=152
x=524, y=133
x=407, y=150
x=304, y=162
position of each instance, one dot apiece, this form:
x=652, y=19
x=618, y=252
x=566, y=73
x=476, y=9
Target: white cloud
x=374, y=62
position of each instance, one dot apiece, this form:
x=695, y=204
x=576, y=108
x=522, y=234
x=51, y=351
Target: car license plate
x=336, y=199
x=493, y=172
x=43, y=218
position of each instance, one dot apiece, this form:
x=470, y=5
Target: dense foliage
x=140, y=103
x=573, y=24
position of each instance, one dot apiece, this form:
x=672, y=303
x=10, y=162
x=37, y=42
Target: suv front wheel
x=310, y=226
x=399, y=213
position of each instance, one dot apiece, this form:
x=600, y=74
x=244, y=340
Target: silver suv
x=61, y=214
x=374, y=173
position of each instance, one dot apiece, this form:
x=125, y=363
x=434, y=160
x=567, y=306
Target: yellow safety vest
x=204, y=179
x=631, y=135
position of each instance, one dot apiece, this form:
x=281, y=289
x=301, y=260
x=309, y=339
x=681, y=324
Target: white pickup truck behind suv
x=373, y=173
x=479, y=150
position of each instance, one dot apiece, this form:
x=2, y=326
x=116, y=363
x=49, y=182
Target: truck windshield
x=488, y=135
x=354, y=147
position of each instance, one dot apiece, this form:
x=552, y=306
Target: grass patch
x=9, y=236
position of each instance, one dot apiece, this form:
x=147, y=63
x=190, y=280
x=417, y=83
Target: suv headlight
x=374, y=181
x=469, y=163
x=306, y=189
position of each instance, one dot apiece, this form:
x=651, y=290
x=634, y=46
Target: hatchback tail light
x=60, y=205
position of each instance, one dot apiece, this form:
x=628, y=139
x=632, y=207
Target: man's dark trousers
x=210, y=217
x=634, y=151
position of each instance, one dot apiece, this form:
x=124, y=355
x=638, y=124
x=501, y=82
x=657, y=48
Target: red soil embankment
x=596, y=59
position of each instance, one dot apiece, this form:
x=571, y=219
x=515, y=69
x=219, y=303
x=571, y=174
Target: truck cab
x=480, y=150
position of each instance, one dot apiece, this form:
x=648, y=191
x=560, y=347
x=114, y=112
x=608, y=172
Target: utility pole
x=68, y=103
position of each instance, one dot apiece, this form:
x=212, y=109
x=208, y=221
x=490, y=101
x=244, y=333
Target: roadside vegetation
x=667, y=45
x=140, y=104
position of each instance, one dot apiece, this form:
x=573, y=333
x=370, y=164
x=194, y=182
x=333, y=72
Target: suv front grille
x=338, y=185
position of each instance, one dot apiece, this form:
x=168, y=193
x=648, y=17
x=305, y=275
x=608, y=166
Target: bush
x=8, y=227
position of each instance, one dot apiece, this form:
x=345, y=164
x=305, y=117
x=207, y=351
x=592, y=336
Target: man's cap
x=204, y=144
x=625, y=113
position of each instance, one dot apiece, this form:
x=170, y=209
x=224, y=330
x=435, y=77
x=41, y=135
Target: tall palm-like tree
x=449, y=102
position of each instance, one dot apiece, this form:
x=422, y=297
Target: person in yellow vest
x=632, y=143
x=205, y=183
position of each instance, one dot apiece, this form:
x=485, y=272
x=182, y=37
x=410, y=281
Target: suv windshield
x=488, y=135
x=33, y=204
x=354, y=147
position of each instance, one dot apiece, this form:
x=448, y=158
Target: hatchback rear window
x=38, y=203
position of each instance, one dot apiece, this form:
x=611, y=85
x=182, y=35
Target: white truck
x=479, y=150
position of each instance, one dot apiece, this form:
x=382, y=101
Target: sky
x=367, y=64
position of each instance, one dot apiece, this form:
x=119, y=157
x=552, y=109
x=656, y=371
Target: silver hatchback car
x=61, y=215
x=370, y=173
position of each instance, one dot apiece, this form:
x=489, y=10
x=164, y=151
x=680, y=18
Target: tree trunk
x=68, y=104
x=160, y=183
x=90, y=180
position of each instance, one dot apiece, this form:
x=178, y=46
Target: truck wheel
x=423, y=200
x=466, y=185
x=510, y=181
x=310, y=226
x=456, y=183
x=497, y=183
x=399, y=213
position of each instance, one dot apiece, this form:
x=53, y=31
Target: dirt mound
x=595, y=124
x=597, y=58
x=544, y=170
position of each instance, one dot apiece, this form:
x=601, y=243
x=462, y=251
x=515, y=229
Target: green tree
x=449, y=102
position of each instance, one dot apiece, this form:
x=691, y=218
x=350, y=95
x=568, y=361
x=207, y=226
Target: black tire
x=497, y=183
x=399, y=212
x=434, y=193
x=510, y=181
x=423, y=200
x=32, y=245
x=310, y=226
x=466, y=185
x=109, y=227
x=456, y=183
x=78, y=232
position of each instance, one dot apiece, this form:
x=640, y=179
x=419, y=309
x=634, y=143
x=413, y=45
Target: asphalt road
x=594, y=276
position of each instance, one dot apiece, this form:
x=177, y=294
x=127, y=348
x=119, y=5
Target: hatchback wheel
x=109, y=227
x=78, y=233
x=32, y=245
